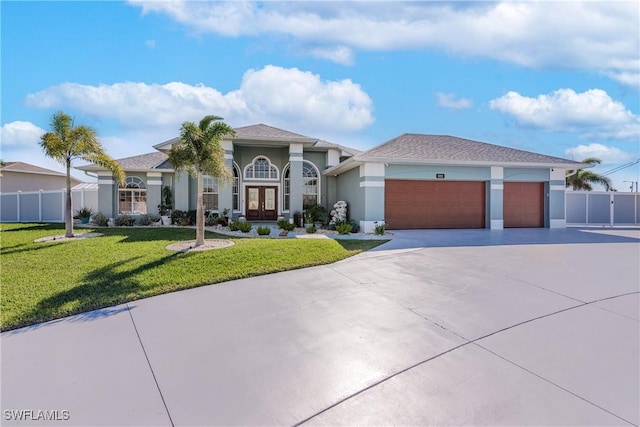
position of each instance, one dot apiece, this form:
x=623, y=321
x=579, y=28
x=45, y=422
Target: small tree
x=199, y=152
x=582, y=179
x=66, y=143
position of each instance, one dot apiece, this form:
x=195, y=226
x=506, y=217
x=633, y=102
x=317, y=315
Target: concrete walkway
x=469, y=327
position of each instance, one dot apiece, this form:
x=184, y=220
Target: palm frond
x=206, y=122
x=54, y=147
x=592, y=161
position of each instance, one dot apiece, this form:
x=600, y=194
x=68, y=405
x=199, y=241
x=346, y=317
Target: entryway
x=262, y=203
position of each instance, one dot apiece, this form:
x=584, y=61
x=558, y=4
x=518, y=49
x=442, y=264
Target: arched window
x=236, y=187
x=261, y=168
x=310, y=186
x=132, y=196
x=210, y=193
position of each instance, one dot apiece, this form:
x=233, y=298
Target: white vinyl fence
x=45, y=206
x=602, y=208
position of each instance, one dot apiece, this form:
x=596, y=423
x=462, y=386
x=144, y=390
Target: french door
x=262, y=203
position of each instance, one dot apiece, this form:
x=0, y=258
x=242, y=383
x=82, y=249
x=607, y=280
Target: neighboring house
x=20, y=176
x=412, y=181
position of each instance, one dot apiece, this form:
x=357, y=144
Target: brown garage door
x=434, y=204
x=523, y=204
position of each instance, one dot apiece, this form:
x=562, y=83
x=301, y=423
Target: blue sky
x=559, y=78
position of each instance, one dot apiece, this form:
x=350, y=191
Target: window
x=132, y=197
x=310, y=186
x=236, y=188
x=261, y=168
x=210, y=193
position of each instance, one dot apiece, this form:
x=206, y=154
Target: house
x=412, y=181
x=20, y=176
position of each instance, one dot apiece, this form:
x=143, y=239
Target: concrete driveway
x=480, y=327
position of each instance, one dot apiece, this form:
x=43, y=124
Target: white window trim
x=319, y=178
x=236, y=167
x=252, y=163
x=142, y=188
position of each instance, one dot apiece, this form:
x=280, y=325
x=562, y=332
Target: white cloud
x=449, y=100
x=607, y=154
x=20, y=133
x=592, y=113
x=597, y=36
x=286, y=97
x=340, y=55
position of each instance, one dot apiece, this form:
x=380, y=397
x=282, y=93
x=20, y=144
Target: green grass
x=45, y=281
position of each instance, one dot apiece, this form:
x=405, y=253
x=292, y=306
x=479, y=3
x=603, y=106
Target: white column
x=496, y=198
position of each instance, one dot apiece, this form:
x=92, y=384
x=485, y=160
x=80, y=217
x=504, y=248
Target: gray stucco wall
x=350, y=191
x=429, y=172
x=107, y=198
x=279, y=157
x=526, y=175
x=181, y=191
x=19, y=181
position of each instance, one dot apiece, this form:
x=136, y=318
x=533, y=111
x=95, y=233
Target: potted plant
x=308, y=219
x=84, y=214
x=225, y=219
x=164, y=208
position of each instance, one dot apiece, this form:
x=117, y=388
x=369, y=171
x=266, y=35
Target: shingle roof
x=450, y=148
x=156, y=160
x=29, y=168
x=264, y=131
x=143, y=161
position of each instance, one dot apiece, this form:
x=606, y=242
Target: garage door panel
x=523, y=204
x=434, y=204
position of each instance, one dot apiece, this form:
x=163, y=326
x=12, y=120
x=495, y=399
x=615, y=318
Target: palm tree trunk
x=200, y=212
x=68, y=216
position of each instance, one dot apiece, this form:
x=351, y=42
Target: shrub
x=145, y=220
x=148, y=219
x=100, y=220
x=84, y=212
x=176, y=216
x=183, y=217
x=311, y=229
x=210, y=219
x=283, y=224
x=233, y=226
x=263, y=231
x=316, y=212
x=245, y=227
x=125, y=220
x=289, y=227
x=344, y=228
x=380, y=229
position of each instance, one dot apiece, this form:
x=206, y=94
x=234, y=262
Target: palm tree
x=199, y=153
x=66, y=143
x=582, y=179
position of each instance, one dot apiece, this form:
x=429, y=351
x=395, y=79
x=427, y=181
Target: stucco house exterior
x=412, y=181
x=21, y=176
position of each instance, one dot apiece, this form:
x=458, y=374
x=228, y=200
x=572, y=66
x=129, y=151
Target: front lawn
x=45, y=281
